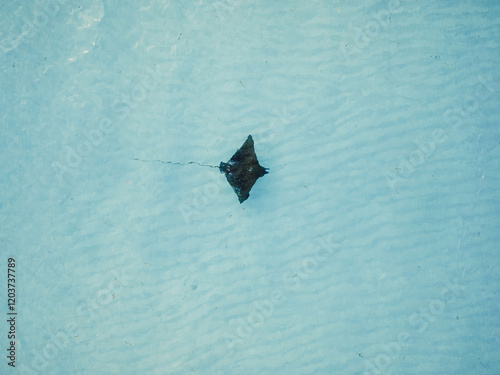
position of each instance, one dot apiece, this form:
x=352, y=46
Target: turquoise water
x=371, y=247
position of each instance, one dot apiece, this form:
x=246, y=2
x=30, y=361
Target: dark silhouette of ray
x=243, y=170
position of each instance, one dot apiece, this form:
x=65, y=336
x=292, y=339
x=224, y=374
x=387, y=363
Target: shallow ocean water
x=369, y=248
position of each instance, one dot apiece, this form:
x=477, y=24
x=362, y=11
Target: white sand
x=371, y=247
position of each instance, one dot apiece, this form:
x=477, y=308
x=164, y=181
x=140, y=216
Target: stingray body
x=243, y=170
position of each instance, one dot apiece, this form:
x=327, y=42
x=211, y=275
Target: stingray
x=242, y=170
